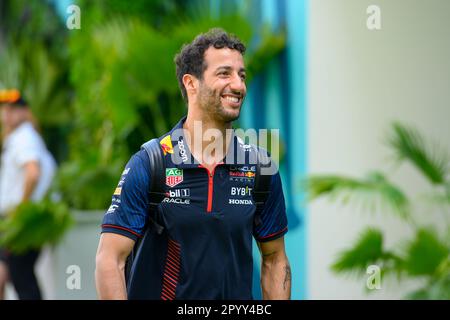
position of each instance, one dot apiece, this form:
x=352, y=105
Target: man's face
x=222, y=89
x=11, y=116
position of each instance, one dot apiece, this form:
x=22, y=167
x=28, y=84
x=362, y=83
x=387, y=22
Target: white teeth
x=232, y=99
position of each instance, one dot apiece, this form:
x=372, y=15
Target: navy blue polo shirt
x=205, y=249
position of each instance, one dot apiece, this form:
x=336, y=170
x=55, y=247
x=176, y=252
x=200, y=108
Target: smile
x=232, y=99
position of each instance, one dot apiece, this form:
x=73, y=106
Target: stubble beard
x=210, y=103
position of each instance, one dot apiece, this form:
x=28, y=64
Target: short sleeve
x=128, y=212
x=273, y=217
x=27, y=147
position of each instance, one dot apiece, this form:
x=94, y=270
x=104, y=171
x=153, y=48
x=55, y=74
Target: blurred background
x=362, y=117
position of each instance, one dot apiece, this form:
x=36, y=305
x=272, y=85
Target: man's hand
x=275, y=270
x=112, y=254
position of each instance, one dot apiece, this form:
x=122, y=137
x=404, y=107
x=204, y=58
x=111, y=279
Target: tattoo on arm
x=287, y=276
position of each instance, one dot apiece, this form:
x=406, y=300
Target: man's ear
x=190, y=83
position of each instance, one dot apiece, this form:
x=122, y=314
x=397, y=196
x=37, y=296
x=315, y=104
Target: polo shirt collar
x=179, y=150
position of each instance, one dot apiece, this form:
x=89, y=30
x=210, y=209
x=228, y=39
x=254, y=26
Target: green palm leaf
x=367, y=250
x=10, y=66
x=372, y=194
x=410, y=145
x=39, y=78
x=425, y=254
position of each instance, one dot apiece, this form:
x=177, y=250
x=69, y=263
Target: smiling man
x=203, y=248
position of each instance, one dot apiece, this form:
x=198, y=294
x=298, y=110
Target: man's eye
x=243, y=76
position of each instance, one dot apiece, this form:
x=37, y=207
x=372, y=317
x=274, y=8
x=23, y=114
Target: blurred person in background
x=26, y=172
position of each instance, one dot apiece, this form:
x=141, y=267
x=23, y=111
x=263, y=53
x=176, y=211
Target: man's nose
x=238, y=84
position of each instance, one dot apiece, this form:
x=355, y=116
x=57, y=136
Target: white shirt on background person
x=22, y=145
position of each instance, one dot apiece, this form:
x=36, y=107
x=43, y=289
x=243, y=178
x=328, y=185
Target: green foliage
x=126, y=87
x=31, y=19
x=272, y=45
x=33, y=58
x=33, y=225
x=427, y=254
x=372, y=194
x=41, y=80
x=84, y=186
x=409, y=145
x=367, y=250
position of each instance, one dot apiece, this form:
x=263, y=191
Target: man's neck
x=206, y=149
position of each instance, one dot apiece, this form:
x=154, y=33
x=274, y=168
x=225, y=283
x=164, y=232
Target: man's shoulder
x=139, y=160
x=24, y=134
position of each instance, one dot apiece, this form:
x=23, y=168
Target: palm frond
x=10, y=66
x=372, y=194
x=425, y=253
x=39, y=78
x=436, y=199
x=411, y=146
x=367, y=250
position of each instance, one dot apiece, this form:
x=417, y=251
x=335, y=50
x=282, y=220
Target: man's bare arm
x=32, y=172
x=275, y=270
x=112, y=253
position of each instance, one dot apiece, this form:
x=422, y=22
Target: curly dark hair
x=191, y=58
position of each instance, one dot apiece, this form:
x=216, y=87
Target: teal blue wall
x=277, y=100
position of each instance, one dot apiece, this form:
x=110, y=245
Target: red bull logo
x=241, y=173
x=249, y=174
x=166, y=145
